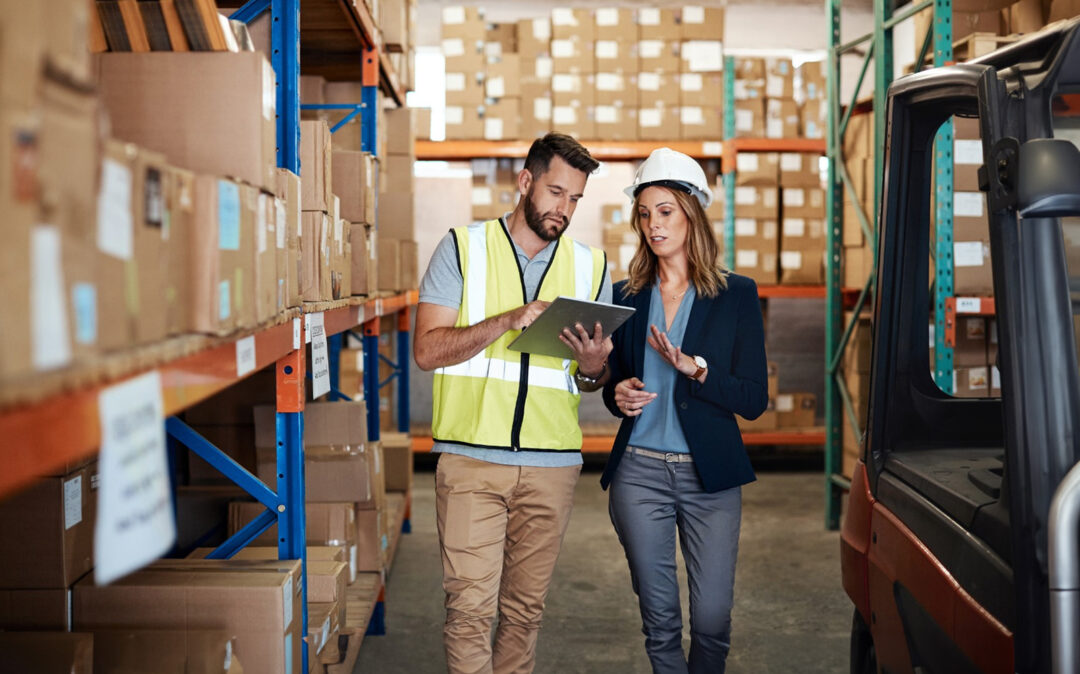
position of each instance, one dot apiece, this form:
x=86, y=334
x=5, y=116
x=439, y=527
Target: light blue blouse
x=658, y=427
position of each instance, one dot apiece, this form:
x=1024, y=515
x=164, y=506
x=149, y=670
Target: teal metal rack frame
x=879, y=50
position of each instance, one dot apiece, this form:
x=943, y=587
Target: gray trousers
x=649, y=500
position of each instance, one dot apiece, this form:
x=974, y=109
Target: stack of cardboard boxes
x=616, y=73
x=620, y=241
x=802, y=229
x=396, y=247
x=858, y=256
x=855, y=366
x=325, y=248
x=772, y=100
x=494, y=187
x=463, y=36
x=573, y=91
x=757, y=213
x=397, y=20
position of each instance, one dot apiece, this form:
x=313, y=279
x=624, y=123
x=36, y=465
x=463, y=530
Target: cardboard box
x=803, y=202
x=389, y=254
x=616, y=122
x=421, y=123
x=768, y=421
x=701, y=89
x=796, y=410
x=316, y=179
x=972, y=272
x=656, y=55
x=258, y=602
x=572, y=119
x=702, y=56
x=748, y=68
x=971, y=342
x=500, y=38
x=758, y=259
x=463, y=122
x=47, y=652
x=265, y=286
x=701, y=23
x=616, y=56
x=799, y=169
x=182, y=650
x=354, y=181
x=396, y=216
x=810, y=80
x=971, y=382
x=812, y=119
x=802, y=266
x=503, y=77
x=180, y=204
x=658, y=123
x=36, y=609
x=750, y=118
x=373, y=260
x=410, y=264
x=533, y=37
x=119, y=183
x=222, y=261
x=460, y=21
x=701, y=123
x=662, y=24
x=360, y=258
x=757, y=168
x=288, y=190
x=397, y=453
x=856, y=358
x=229, y=129
x=312, y=89
x=502, y=120
x=991, y=341
x=371, y=543
x=781, y=118
x=325, y=524
x=19, y=138
x=756, y=201
x=615, y=23
x=858, y=262
x=48, y=531
x=572, y=23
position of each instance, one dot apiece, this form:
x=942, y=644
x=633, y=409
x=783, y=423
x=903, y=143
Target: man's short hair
x=572, y=152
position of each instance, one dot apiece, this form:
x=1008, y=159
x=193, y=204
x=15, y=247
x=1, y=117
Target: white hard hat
x=667, y=168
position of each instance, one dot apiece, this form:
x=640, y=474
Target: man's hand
x=630, y=396
x=523, y=317
x=590, y=351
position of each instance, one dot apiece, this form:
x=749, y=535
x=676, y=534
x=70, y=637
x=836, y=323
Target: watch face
x=700, y=362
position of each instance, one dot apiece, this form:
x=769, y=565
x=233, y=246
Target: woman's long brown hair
x=707, y=272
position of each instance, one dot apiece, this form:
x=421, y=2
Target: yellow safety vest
x=503, y=399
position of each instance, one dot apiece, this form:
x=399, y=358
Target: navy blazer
x=728, y=331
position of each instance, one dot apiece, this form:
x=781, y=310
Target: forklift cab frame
x=944, y=542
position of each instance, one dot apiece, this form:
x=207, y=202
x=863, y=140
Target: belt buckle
x=671, y=457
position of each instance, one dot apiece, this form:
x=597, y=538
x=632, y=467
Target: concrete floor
x=791, y=613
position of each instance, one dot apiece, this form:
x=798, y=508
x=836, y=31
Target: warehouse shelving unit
x=879, y=50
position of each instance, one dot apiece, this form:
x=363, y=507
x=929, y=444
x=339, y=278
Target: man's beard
x=539, y=223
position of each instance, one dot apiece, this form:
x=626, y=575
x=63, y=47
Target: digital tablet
x=542, y=337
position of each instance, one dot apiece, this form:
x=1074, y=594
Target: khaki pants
x=500, y=530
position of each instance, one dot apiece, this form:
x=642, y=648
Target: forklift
x=959, y=545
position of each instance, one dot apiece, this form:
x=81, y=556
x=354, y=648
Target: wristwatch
x=702, y=365
x=585, y=379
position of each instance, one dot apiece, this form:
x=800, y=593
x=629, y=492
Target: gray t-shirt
x=443, y=285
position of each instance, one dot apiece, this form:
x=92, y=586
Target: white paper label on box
x=607, y=49
x=72, y=502
x=352, y=563
x=746, y=259
x=493, y=128
x=279, y=225
x=968, y=152
x=288, y=654
x=794, y=197
x=746, y=161
x=691, y=115
x=320, y=357
x=563, y=83
x=325, y=633
x=794, y=227
x=453, y=47
x=977, y=377
x=712, y=148
x=260, y=223
x=790, y=162
x=562, y=49
x=287, y=601
x=785, y=403
x=691, y=82
x=648, y=16
x=228, y=215
x=269, y=92
x=455, y=115
x=245, y=356
x=228, y=656
x=693, y=14
x=650, y=49
x=790, y=259
x=609, y=82
x=541, y=30
x=296, y=334
x=703, y=56
x=607, y=114
x=339, y=235
x=542, y=109
x=650, y=117
x=561, y=16
x=995, y=377
x=135, y=520
x=496, y=87
x=968, y=253
x=774, y=86
x=224, y=300
x=48, y=314
x=745, y=196
x=307, y=328
x=744, y=120
x=968, y=305
x=649, y=81
x=481, y=196
x=115, y=227
x=564, y=114
x=607, y=16
x=968, y=204
x=745, y=227
x=774, y=128
x=453, y=15
x=493, y=50
x=544, y=67
x=455, y=81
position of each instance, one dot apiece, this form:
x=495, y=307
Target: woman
x=689, y=360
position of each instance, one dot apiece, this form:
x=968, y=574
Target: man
x=504, y=422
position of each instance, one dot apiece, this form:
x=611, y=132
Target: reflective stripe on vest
x=481, y=401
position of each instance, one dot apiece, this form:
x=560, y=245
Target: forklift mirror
x=1049, y=179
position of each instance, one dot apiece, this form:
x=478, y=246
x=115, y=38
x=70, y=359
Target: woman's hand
x=671, y=353
x=590, y=351
x=630, y=396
